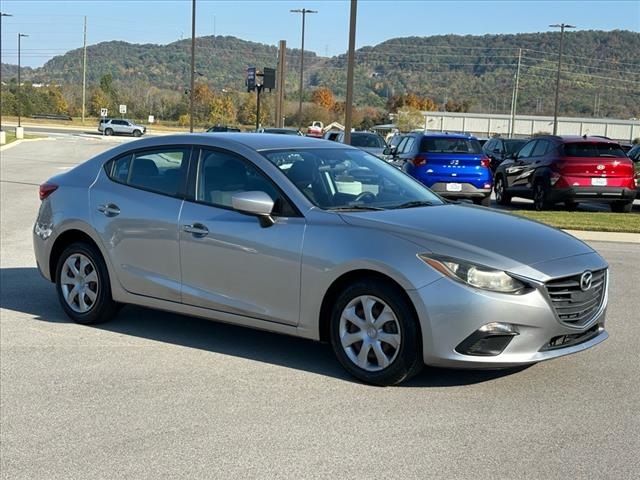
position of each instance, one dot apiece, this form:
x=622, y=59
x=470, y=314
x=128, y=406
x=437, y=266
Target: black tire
x=540, y=197
x=108, y=132
x=103, y=308
x=502, y=197
x=622, y=207
x=407, y=360
x=137, y=133
x=485, y=202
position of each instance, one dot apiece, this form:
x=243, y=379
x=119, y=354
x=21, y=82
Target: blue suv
x=452, y=165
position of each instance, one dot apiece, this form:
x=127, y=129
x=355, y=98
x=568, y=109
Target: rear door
x=519, y=171
x=135, y=203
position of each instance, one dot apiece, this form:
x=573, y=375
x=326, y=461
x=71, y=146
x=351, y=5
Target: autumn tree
x=323, y=97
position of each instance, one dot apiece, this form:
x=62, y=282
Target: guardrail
x=46, y=116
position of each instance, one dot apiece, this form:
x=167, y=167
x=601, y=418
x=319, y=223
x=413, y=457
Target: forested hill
x=601, y=70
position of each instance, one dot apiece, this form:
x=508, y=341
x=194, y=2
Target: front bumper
x=451, y=312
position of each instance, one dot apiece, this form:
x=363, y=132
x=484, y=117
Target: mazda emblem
x=585, y=281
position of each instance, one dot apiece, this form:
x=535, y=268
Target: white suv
x=112, y=126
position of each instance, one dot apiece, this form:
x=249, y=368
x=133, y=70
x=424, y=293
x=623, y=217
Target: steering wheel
x=366, y=197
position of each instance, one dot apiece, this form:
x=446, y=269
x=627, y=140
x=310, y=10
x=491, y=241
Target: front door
x=229, y=262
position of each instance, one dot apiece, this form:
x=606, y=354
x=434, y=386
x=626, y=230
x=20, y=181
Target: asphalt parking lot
x=158, y=395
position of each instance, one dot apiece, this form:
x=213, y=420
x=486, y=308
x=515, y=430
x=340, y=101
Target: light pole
x=193, y=62
x=350, y=66
x=20, y=35
x=562, y=27
x=304, y=12
x=2, y=14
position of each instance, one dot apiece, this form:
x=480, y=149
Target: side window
x=221, y=175
x=119, y=169
x=162, y=170
x=409, y=145
x=401, y=145
x=526, y=151
x=540, y=148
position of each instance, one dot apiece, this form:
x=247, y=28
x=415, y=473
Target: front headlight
x=475, y=275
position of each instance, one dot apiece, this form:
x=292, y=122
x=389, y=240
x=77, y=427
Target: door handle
x=197, y=230
x=109, y=210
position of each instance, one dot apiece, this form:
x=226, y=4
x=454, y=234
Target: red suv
x=567, y=169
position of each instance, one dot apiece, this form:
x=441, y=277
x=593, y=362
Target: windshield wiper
x=355, y=207
x=414, y=203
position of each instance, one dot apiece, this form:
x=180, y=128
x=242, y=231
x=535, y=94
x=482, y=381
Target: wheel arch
x=348, y=278
x=65, y=239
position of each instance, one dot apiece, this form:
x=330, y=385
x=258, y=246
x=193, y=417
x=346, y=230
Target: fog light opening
x=489, y=340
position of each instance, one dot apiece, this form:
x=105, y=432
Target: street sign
x=269, y=78
x=103, y=112
x=151, y=119
x=251, y=79
x=123, y=109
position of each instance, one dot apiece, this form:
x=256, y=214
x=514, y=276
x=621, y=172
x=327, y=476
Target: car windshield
x=367, y=141
x=350, y=179
x=512, y=146
x=450, y=145
x=595, y=149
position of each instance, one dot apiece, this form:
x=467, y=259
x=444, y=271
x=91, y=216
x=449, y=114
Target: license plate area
x=454, y=187
x=599, y=182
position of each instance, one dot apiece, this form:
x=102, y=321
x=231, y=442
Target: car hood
x=483, y=236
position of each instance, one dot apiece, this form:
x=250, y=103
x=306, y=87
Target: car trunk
x=459, y=167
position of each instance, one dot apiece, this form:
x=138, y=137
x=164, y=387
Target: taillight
x=485, y=162
x=419, y=160
x=47, y=189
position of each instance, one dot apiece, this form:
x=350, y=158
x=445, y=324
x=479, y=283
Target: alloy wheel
x=370, y=333
x=79, y=283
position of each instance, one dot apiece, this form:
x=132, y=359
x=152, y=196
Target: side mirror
x=255, y=203
x=389, y=150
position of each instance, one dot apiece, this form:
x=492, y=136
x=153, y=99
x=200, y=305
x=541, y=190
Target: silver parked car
x=111, y=126
x=320, y=240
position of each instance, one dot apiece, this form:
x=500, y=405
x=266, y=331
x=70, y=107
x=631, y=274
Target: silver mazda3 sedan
x=324, y=241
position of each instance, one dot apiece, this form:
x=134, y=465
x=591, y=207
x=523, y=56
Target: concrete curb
x=18, y=142
x=617, y=237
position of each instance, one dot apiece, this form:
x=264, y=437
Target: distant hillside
x=601, y=70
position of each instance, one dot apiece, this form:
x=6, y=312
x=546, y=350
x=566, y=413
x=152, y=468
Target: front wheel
x=137, y=133
x=622, y=207
x=82, y=283
x=375, y=333
x=502, y=197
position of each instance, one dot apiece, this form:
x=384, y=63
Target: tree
x=409, y=119
x=222, y=110
x=97, y=100
x=323, y=97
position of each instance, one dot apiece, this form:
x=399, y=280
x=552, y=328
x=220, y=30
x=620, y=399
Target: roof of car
x=255, y=141
x=446, y=135
x=577, y=138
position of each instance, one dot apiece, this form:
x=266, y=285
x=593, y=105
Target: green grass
x=11, y=137
x=595, y=221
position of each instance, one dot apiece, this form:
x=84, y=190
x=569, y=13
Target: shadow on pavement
x=24, y=290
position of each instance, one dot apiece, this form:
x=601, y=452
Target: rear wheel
x=502, y=197
x=108, y=132
x=83, y=287
x=622, y=207
x=375, y=333
x=540, y=196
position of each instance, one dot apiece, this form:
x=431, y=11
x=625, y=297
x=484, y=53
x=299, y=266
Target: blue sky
x=55, y=26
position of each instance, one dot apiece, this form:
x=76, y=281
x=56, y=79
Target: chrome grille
x=574, y=306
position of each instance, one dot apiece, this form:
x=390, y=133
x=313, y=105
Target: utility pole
x=304, y=12
x=350, y=61
x=84, y=70
x=193, y=62
x=2, y=134
x=514, y=96
x=562, y=27
x=20, y=35
x=282, y=50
